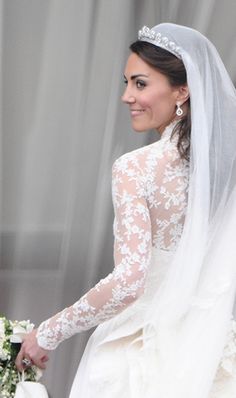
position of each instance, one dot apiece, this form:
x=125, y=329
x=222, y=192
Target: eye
x=140, y=84
x=125, y=82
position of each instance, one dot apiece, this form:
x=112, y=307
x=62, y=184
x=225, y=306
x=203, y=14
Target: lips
x=136, y=112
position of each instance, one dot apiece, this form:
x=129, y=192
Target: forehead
x=136, y=65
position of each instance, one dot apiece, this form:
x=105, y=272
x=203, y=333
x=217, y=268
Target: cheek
x=162, y=110
x=164, y=101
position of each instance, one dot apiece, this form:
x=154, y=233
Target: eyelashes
x=140, y=84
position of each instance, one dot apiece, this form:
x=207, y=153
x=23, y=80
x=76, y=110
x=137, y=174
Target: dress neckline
x=168, y=130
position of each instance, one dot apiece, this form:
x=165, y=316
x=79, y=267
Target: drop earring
x=179, y=110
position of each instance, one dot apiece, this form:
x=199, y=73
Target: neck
x=171, y=123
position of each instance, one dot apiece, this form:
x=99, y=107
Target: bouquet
x=11, y=333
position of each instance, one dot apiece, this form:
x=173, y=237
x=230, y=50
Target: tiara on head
x=149, y=35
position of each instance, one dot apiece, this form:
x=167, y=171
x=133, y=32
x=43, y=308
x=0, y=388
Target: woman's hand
x=30, y=351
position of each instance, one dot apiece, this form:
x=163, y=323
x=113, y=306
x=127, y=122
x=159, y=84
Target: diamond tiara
x=149, y=35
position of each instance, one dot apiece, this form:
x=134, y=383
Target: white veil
x=191, y=312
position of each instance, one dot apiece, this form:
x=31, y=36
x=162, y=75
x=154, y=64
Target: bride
x=165, y=311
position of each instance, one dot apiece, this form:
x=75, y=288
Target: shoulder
x=144, y=158
x=133, y=159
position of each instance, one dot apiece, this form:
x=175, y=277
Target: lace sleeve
x=125, y=284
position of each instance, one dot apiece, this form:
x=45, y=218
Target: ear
x=183, y=94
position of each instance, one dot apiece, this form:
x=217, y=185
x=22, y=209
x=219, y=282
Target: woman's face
x=151, y=98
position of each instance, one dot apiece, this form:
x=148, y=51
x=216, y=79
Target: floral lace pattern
x=149, y=189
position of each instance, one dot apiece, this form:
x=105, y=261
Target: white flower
x=3, y=353
x=27, y=325
x=19, y=330
x=38, y=373
x=2, y=328
x=12, y=332
x=16, y=338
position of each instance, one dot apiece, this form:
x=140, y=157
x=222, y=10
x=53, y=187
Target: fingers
x=24, y=360
x=41, y=362
x=19, y=360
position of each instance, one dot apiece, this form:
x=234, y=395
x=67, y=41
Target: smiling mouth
x=136, y=112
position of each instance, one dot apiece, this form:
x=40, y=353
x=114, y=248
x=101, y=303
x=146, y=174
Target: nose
x=127, y=97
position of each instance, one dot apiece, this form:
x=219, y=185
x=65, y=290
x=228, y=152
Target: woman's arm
x=132, y=248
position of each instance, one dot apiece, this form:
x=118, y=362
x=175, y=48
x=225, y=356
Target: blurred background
x=62, y=126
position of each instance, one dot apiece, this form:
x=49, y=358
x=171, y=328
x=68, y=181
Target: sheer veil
x=191, y=313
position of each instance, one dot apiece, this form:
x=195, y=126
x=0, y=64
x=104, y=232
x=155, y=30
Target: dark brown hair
x=173, y=68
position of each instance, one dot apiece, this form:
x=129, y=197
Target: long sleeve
x=132, y=251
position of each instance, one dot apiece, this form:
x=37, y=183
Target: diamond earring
x=179, y=110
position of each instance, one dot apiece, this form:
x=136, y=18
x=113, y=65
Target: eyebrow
x=135, y=76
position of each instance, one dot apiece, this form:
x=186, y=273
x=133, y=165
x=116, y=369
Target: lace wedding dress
x=150, y=187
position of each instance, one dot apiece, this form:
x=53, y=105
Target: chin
x=141, y=128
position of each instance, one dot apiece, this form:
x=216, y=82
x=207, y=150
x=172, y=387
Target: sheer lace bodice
x=149, y=188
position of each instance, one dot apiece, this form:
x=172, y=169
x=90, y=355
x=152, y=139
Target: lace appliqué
x=149, y=190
